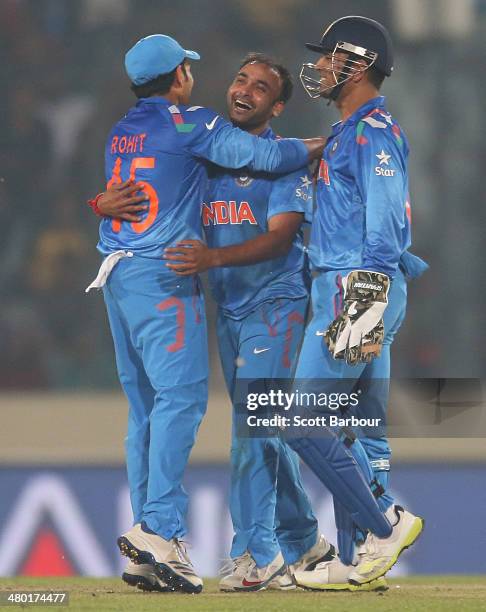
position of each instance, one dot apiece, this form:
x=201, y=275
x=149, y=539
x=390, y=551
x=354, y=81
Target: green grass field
x=455, y=593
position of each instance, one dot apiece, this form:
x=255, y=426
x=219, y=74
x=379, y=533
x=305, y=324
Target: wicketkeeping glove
x=356, y=335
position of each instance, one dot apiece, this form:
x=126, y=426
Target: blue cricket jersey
x=237, y=208
x=361, y=218
x=165, y=148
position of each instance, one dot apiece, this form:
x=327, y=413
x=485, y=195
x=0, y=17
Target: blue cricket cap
x=155, y=55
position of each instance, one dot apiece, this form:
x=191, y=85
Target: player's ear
x=358, y=76
x=278, y=108
x=180, y=76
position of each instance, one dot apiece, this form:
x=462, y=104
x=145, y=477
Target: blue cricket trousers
x=158, y=325
x=269, y=507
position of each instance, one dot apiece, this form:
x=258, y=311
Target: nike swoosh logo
x=258, y=351
x=212, y=124
x=319, y=333
x=247, y=583
x=352, y=309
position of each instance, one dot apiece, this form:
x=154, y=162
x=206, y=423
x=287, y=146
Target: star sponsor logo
x=303, y=191
x=306, y=182
x=384, y=160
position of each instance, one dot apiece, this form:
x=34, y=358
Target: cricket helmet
x=361, y=39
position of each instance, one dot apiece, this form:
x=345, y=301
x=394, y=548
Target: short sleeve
x=291, y=193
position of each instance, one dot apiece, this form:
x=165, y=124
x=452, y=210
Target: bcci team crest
x=244, y=180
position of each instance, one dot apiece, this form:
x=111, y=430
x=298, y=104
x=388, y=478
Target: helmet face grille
x=310, y=77
x=370, y=56
x=318, y=80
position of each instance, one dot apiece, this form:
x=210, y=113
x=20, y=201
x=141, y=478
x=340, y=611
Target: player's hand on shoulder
x=121, y=201
x=315, y=146
x=189, y=257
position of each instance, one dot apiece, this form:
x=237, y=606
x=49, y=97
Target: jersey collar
x=154, y=100
x=362, y=111
x=268, y=133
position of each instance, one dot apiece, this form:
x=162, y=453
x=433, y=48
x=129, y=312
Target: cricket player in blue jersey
x=245, y=295
x=157, y=319
x=338, y=470
x=258, y=277
x=360, y=233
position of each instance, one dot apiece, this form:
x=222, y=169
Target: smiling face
x=330, y=67
x=254, y=97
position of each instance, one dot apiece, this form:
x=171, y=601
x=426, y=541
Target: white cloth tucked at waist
x=106, y=267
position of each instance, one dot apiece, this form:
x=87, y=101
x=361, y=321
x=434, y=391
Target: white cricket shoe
x=169, y=558
x=235, y=578
x=234, y=573
x=259, y=578
x=333, y=575
x=283, y=582
x=381, y=554
x=144, y=577
x=321, y=551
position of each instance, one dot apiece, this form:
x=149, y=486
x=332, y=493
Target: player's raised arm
x=216, y=140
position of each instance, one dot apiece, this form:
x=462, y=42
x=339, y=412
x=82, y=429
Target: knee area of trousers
x=299, y=445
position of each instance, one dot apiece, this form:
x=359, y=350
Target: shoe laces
x=181, y=551
x=232, y=566
x=252, y=568
x=369, y=547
